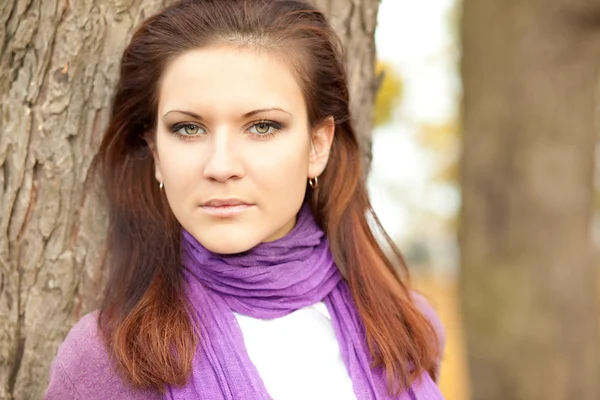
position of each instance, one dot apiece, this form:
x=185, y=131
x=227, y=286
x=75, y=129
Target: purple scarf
x=269, y=281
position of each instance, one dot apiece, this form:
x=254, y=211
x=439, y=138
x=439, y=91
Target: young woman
x=242, y=261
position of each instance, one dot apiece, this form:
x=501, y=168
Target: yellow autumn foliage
x=443, y=140
x=389, y=94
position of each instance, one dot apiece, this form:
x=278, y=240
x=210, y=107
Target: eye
x=265, y=128
x=262, y=128
x=187, y=130
x=191, y=129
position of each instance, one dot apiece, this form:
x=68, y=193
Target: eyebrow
x=261, y=110
x=246, y=115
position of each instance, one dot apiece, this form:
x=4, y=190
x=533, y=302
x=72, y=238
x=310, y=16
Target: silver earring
x=161, y=186
x=313, y=182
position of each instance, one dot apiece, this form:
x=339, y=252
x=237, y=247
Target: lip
x=225, y=203
x=225, y=207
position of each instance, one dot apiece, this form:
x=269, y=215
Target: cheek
x=282, y=168
x=179, y=167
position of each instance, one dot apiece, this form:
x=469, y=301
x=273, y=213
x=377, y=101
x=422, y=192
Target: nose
x=222, y=161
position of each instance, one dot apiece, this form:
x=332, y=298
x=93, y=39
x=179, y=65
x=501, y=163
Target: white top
x=295, y=349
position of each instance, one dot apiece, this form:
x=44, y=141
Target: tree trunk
x=59, y=62
x=529, y=284
x=355, y=22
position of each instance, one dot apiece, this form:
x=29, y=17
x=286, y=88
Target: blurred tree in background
x=59, y=62
x=529, y=282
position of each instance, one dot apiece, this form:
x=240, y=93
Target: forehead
x=229, y=79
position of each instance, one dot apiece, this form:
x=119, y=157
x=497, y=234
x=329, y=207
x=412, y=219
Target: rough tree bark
x=59, y=61
x=529, y=284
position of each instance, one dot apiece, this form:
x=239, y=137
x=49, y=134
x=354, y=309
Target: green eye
x=190, y=129
x=262, y=128
x=187, y=130
x=265, y=129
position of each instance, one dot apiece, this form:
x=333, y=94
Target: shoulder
x=82, y=368
x=432, y=316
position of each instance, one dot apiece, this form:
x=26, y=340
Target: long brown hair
x=144, y=317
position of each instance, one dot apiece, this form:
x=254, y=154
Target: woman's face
x=234, y=148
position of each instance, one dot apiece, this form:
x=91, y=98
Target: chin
x=226, y=248
x=227, y=242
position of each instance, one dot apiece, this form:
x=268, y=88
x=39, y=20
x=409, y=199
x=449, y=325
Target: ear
x=157, y=170
x=322, y=138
